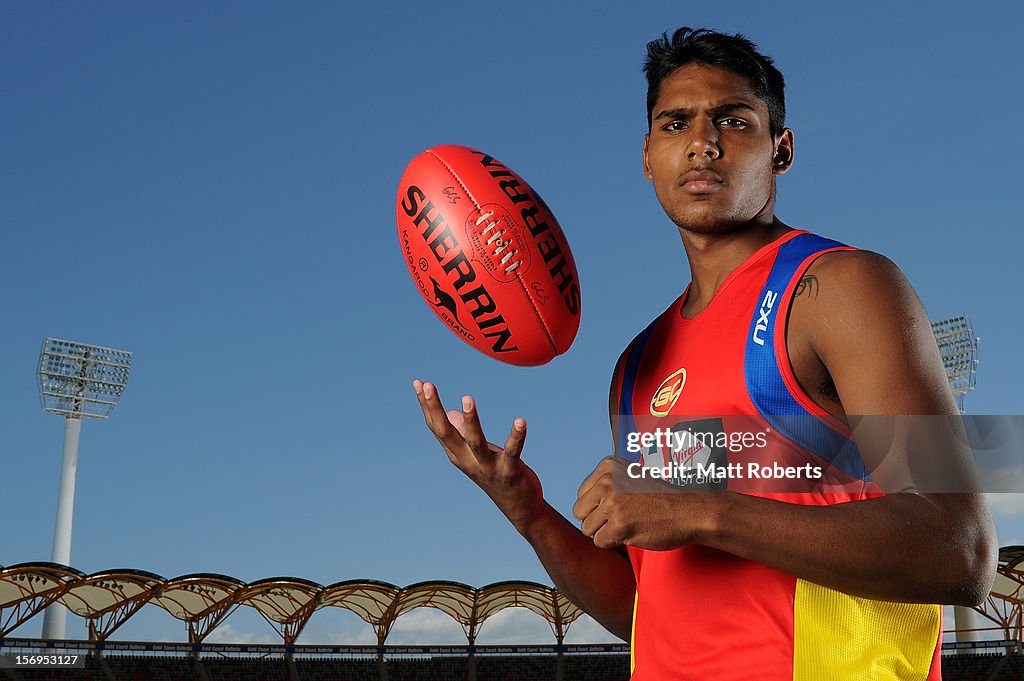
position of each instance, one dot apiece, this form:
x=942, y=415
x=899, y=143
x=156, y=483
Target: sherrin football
x=488, y=256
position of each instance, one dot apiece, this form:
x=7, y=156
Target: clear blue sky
x=212, y=186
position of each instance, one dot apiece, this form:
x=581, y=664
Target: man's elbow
x=980, y=574
x=974, y=564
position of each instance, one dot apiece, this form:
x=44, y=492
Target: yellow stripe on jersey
x=632, y=636
x=837, y=637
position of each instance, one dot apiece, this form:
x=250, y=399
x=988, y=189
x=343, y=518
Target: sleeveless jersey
x=700, y=613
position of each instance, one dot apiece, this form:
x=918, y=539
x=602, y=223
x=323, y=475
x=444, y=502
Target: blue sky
x=212, y=187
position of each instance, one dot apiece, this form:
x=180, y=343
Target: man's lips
x=701, y=181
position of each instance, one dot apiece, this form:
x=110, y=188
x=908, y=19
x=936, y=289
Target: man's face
x=710, y=153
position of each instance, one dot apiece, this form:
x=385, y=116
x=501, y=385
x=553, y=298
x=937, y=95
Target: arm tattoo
x=808, y=284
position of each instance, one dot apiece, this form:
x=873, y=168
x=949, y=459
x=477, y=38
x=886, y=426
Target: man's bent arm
x=924, y=548
x=903, y=547
x=599, y=581
x=871, y=332
x=872, y=336
x=922, y=542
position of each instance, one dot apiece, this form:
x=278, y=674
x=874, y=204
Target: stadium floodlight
x=76, y=381
x=959, y=349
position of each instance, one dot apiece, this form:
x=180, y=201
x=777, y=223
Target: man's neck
x=713, y=257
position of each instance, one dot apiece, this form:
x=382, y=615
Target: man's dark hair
x=732, y=52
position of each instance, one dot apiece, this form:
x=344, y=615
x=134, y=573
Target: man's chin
x=707, y=223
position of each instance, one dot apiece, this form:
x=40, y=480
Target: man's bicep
x=874, y=338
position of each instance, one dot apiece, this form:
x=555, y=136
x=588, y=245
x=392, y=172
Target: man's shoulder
x=857, y=279
x=856, y=298
x=854, y=262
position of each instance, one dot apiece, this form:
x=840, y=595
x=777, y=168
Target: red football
x=487, y=254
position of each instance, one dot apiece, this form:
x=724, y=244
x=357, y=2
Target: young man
x=823, y=578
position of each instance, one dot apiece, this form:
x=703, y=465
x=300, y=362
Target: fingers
x=607, y=519
x=591, y=516
x=438, y=421
x=430, y=403
x=594, y=505
x=598, y=524
x=588, y=501
x=470, y=426
x=462, y=436
x=593, y=491
x=593, y=488
x=509, y=457
x=604, y=538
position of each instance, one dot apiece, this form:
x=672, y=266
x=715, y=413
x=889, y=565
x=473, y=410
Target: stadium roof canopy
x=1005, y=602
x=108, y=599
x=1009, y=582
x=26, y=590
x=202, y=601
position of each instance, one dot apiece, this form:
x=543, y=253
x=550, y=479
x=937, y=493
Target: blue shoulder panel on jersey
x=765, y=385
x=626, y=422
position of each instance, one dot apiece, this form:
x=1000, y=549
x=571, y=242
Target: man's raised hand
x=498, y=471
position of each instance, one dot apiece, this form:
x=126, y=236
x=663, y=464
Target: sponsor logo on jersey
x=694, y=452
x=762, y=319
x=667, y=393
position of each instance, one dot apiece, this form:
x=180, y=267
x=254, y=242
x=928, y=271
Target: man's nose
x=703, y=141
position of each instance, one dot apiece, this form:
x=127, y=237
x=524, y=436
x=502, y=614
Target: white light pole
x=76, y=381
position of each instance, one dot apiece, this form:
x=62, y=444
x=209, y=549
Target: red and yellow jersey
x=721, y=384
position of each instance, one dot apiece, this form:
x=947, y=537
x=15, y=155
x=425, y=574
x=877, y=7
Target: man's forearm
x=901, y=547
x=599, y=581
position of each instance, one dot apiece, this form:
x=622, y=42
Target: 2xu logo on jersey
x=762, y=318
x=453, y=260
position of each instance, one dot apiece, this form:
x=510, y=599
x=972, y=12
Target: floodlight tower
x=959, y=349
x=76, y=381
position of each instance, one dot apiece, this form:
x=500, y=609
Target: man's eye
x=675, y=126
x=733, y=122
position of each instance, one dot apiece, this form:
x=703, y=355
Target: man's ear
x=783, y=159
x=647, y=163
